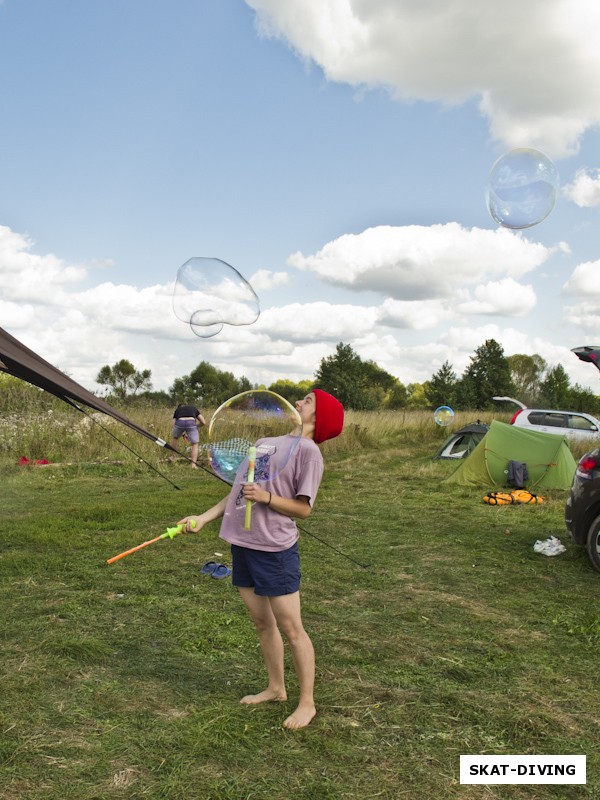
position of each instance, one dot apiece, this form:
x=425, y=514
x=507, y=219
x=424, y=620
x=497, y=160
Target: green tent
x=462, y=442
x=549, y=460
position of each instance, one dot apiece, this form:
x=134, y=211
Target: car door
x=555, y=422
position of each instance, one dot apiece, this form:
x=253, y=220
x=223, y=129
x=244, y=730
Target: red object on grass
x=24, y=462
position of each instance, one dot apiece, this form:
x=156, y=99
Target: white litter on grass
x=551, y=547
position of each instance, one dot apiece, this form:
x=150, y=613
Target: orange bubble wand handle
x=251, y=463
x=169, y=533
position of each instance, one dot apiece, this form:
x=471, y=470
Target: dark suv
x=582, y=511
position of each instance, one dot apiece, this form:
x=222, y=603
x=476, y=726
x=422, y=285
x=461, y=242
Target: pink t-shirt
x=287, y=466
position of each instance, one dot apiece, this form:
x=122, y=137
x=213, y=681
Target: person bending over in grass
x=186, y=420
x=266, y=563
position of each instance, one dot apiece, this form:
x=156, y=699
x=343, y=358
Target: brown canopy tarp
x=20, y=361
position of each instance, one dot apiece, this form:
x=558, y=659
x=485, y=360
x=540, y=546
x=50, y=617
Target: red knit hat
x=329, y=416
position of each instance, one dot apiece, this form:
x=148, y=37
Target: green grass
x=124, y=681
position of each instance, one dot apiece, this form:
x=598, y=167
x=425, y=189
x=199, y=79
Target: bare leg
x=286, y=610
x=174, y=446
x=271, y=645
x=194, y=455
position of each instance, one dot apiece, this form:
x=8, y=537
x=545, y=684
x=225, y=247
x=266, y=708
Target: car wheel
x=593, y=543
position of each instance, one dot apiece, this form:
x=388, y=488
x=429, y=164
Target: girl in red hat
x=266, y=563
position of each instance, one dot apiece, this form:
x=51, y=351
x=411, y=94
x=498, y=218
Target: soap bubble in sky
x=210, y=293
x=522, y=188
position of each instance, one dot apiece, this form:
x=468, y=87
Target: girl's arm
x=195, y=522
x=290, y=507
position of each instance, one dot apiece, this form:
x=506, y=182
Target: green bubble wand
x=169, y=533
x=251, y=465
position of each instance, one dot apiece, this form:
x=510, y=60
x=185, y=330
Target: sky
x=335, y=153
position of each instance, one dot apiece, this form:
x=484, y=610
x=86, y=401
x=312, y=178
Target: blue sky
x=335, y=152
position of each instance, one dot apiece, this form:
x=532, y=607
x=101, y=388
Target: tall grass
x=65, y=435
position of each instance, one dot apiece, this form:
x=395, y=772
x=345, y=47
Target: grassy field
x=124, y=681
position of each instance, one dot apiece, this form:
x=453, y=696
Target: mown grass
x=124, y=681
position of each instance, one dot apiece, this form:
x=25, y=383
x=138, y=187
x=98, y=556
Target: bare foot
x=301, y=717
x=268, y=696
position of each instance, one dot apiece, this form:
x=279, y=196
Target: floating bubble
x=206, y=323
x=522, y=188
x=210, y=293
x=443, y=416
x=255, y=416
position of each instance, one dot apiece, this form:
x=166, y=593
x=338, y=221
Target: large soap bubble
x=255, y=416
x=210, y=293
x=522, y=188
x=443, y=416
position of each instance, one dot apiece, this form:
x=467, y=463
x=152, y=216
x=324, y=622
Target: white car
x=572, y=424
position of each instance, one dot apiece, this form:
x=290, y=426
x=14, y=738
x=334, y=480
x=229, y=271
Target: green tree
x=487, y=375
x=208, y=386
x=124, y=379
x=526, y=373
x=161, y=397
x=441, y=387
x=358, y=384
x=582, y=399
x=556, y=388
x=290, y=390
x=417, y=395
x=397, y=396
x=379, y=386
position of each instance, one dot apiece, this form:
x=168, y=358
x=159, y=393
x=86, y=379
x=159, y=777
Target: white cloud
x=25, y=276
x=500, y=53
x=129, y=308
x=17, y=315
x=506, y=297
x=585, y=316
x=462, y=342
x=79, y=330
x=418, y=316
x=584, y=285
x=418, y=263
x=266, y=279
x=316, y=322
x=584, y=280
x=584, y=191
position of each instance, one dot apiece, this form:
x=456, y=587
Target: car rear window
x=581, y=423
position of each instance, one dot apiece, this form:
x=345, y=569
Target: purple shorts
x=269, y=574
x=187, y=426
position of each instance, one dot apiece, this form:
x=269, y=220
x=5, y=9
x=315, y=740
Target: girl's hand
x=255, y=494
x=191, y=524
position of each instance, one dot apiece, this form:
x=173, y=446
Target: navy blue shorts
x=269, y=574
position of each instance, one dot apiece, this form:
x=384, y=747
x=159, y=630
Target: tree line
x=365, y=386
x=526, y=378
x=360, y=385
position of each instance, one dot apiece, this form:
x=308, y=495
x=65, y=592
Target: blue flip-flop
x=220, y=572
x=209, y=567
